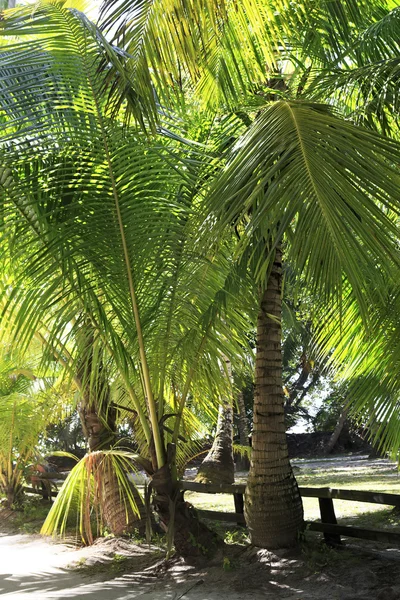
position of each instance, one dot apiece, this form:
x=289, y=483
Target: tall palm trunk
x=218, y=466
x=273, y=507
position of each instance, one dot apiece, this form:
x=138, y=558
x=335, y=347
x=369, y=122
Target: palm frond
x=331, y=185
x=80, y=496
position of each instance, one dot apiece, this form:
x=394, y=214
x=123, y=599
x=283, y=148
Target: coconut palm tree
x=313, y=158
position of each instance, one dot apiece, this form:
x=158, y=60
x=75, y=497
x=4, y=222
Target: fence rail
x=329, y=527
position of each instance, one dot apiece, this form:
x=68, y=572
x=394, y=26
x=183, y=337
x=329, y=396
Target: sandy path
x=35, y=568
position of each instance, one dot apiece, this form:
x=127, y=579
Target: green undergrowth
x=29, y=517
x=318, y=556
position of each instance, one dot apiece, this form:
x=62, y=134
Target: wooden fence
x=329, y=526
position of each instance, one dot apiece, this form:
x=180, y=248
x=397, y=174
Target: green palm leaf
x=331, y=185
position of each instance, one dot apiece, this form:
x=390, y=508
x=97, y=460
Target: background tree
x=218, y=465
x=25, y=411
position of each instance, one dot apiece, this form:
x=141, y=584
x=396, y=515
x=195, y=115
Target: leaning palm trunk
x=337, y=431
x=98, y=419
x=218, y=466
x=191, y=537
x=117, y=512
x=273, y=507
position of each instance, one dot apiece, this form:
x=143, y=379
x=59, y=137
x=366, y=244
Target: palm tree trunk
x=118, y=514
x=273, y=507
x=337, y=431
x=218, y=466
x=242, y=463
x=179, y=519
x=99, y=427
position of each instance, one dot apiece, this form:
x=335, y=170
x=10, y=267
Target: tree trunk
x=119, y=517
x=243, y=462
x=118, y=514
x=10, y=494
x=338, y=430
x=179, y=519
x=273, y=506
x=218, y=466
x=99, y=427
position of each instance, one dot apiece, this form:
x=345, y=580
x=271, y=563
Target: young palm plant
x=24, y=415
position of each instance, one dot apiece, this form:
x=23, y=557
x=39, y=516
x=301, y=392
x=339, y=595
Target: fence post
x=239, y=506
x=328, y=516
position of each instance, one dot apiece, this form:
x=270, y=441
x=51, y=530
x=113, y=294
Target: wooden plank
x=212, y=488
x=50, y=475
x=339, y=494
x=214, y=515
x=376, y=535
x=353, y=495
x=30, y=490
x=327, y=511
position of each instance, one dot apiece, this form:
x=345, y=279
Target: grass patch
x=370, y=475
x=30, y=517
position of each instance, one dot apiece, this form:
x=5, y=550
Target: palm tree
x=299, y=176
x=290, y=195
x=104, y=228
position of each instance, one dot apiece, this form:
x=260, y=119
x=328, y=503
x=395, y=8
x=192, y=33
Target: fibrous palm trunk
x=98, y=421
x=218, y=466
x=117, y=512
x=273, y=507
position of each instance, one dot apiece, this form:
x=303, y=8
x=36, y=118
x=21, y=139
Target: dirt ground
x=114, y=569
x=35, y=568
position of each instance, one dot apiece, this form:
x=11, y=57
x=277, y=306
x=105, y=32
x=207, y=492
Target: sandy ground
x=34, y=568
x=39, y=569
